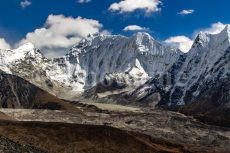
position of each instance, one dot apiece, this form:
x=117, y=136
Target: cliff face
x=213, y=106
x=16, y=92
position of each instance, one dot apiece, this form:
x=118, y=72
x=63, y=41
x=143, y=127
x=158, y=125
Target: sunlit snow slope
x=126, y=60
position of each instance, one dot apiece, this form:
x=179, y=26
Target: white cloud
x=134, y=28
x=60, y=32
x=84, y=1
x=182, y=42
x=4, y=44
x=105, y=32
x=186, y=12
x=25, y=3
x=215, y=28
x=132, y=5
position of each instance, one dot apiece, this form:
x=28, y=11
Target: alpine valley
x=115, y=89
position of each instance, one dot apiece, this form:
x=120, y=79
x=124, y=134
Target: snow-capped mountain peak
x=26, y=47
x=201, y=40
x=142, y=37
x=206, y=39
x=206, y=64
x=127, y=60
x=224, y=35
x=226, y=30
x=9, y=57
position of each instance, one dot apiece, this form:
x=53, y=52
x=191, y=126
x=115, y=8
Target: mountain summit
x=206, y=64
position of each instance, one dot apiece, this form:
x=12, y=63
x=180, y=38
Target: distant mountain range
x=129, y=62
x=132, y=70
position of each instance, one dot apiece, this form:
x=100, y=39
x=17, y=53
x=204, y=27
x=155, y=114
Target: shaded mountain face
x=212, y=106
x=16, y=92
x=98, y=59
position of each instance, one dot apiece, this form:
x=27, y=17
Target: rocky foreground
x=106, y=130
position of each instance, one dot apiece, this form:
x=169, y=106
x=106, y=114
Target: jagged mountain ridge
x=203, y=68
x=129, y=60
x=126, y=60
x=28, y=63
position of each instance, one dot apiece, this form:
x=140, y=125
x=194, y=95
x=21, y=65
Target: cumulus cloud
x=186, y=12
x=25, y=3
x=182, y=42
x=134, y=28
x=215, y=28
x=61, y=32
x=132, y=5
x=4, y=44
x=84, y=1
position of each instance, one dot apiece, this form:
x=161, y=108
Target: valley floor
x=104, y=129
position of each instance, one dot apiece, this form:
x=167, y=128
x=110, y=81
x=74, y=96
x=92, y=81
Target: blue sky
x=18, y=18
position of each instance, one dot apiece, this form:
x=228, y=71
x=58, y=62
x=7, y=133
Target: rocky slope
x=9, y=146
x=162, y=131
x=212, y=106
x=16, y=92
x=75, y=138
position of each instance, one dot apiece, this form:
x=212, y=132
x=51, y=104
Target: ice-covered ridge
x=201, y=62
x=130, y=60
x=204, y=66
x=139, y=56
x=11, y=56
